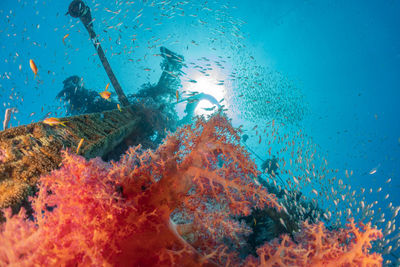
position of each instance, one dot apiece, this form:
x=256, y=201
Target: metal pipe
x=78, y=9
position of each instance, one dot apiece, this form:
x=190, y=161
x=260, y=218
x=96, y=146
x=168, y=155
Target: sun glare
x=210, y=86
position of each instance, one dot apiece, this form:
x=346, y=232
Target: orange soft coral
x=317, y=246
x=95, y=213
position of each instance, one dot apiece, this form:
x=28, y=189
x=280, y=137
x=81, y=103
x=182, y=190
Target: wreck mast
x=78, y=9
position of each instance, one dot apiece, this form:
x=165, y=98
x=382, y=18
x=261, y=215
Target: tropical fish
x=108, y=84
x=7, y=117
x=177, y=96
x=106, y=95
x=54, y=121
x=65, y=36
x=315, y=192
x=79, y=146
x=119, y=107
x=374, y=170
x=33, y=67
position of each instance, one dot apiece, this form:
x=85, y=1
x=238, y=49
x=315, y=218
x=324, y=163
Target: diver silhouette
x=269, y=166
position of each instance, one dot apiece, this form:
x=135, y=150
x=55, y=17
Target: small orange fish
x=177, y=96
x=33, y=67
x=106, y=95
x=65, y=36
x=79, y=146
x=119, y=107
x=108, y=84
x=53, y=121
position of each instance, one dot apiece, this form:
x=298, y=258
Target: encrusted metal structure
x=29, y=151
x=78, y=9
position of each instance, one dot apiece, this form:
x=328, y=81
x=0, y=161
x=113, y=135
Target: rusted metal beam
x=29, y=151
x=78, y=9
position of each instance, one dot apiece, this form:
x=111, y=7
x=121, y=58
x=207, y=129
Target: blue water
x=344, y=56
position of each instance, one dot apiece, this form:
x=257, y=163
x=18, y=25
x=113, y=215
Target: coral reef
x=174, y=206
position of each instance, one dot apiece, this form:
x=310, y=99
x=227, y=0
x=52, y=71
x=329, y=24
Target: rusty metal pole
x=78, y=9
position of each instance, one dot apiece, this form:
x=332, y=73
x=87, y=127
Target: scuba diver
x=81, y=100
x=269, y=166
